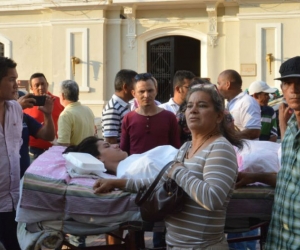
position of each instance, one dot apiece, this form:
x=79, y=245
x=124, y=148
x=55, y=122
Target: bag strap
x=154, y=183
x=158, y=177
x=181, y=155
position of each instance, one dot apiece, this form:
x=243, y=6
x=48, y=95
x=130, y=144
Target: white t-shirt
x=170, y=106
x=245, y=111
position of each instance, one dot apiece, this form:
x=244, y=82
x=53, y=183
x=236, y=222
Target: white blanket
x=259, y=156
x=146, y=165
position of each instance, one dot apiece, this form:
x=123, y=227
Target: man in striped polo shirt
x=117, y=107
x=260, y=91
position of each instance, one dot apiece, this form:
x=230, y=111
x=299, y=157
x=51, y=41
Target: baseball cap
x=290, y=68
x=260, y=86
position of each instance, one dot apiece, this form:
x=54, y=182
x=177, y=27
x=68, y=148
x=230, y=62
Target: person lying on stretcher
x=118, y=163
x=149, y=164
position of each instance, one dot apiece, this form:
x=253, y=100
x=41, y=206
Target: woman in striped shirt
x=207, y=175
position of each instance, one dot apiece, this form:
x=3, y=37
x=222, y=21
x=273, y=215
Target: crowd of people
x=195, y=120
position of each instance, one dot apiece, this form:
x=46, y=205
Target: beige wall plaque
x=248, y=69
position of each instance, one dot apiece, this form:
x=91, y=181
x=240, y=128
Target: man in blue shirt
x=32, y=127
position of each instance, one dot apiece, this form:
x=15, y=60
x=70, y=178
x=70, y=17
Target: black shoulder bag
x=158, y=201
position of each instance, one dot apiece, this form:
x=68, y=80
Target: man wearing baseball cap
x=260, y=91
x=284, y=231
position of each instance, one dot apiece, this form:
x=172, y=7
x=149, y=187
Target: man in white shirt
x=244, y=109
x=246, y=114
x=181, y=84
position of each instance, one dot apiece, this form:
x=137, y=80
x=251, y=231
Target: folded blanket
x=47, y=186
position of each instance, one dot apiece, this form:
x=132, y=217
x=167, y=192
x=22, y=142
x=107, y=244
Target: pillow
x=259, y=156
x=83, y=164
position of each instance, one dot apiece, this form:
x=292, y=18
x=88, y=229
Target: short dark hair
x=70, y=89
x=87, y=145
x=233, y=77
x=124, y=76
x=144, y=77
x=219, y=106
x=179, y=77
x=5, y=64
x=37, y=75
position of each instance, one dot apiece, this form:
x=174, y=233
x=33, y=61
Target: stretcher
x=250, y=208
x=52, y=201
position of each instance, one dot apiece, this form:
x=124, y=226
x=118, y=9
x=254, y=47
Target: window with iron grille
x=1, y=49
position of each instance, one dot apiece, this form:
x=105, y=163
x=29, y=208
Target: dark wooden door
x=166, y=55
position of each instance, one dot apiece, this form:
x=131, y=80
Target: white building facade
x=90, y=41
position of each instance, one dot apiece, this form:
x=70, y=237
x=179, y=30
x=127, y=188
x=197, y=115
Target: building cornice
x=53, y=22
x=34, y=5
x=273, y=15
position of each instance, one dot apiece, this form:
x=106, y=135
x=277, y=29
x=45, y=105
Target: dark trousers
x=159, y=239
x=8, y=230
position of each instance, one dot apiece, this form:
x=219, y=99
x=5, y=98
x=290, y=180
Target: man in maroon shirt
x=148, y=126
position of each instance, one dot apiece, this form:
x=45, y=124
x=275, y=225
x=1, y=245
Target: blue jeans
x=159, y=239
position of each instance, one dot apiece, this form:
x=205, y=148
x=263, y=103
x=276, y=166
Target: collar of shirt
x=240, y=95
x=8, y=104
x=73, y=104
x=171, y=102
x=293, y=126
x=119, y=100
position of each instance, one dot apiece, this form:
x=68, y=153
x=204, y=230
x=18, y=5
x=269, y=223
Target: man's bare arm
x=250, y=134
x=47, y=131
x=244, y=179
x=273, y=138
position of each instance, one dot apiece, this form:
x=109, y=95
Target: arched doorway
x=166, y=55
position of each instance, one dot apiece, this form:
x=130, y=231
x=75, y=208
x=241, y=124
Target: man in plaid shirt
x=284, y=231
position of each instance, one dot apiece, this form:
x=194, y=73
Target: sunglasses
x=143, y=76
x=207, y=85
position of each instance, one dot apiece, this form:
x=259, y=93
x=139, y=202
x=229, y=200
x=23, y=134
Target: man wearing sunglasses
x=181, y=83
x=244, y=109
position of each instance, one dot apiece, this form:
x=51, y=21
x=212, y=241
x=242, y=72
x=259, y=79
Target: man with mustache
x=284, y=231
x=39, y=86
x=260, y=91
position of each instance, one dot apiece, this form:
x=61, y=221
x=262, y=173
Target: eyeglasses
x=199, y=85
x=207, y=85
x=143, y=76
